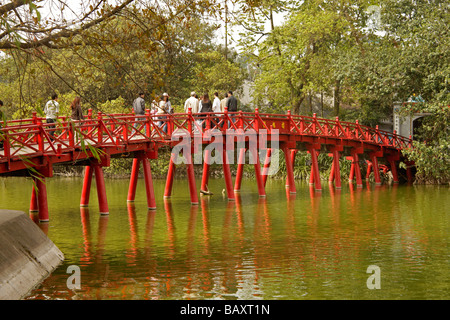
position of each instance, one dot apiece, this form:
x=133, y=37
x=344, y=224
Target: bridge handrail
x=33, y=136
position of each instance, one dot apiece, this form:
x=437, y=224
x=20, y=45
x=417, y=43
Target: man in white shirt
x=216, y=104
x=192, y=103
x=51, y=111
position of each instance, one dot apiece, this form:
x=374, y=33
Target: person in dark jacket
x=206, y=106
x=231, y=106
x=77, y=114
x=231, y=102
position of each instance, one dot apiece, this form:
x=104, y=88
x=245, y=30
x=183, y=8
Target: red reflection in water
x=206, y=283
x=86, y=258
x=131, y=253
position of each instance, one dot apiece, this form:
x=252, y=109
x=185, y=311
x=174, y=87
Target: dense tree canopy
x=353, y=59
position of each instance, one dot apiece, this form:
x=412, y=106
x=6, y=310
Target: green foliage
x=114, y=106
x=212, y=72
x=331, y=48
x=431, y=153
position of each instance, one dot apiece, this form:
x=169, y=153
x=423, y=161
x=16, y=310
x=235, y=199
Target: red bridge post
x=191, y=180
x=227, y=174
x=41, y=191
x=393, y=164
x=259, y=178
x=293, y=153
x=170, y=176
x=289, y=169
x=149, y=189
x=205, y=174
x=356, y=168
x=85, y=193
x=240, y=169
x=34, y=206
x=352, y=170
x=266, y=165
x=335, y=174
x=376, y=169
x=133, y=180
x=315, y=173
x=369, y=169
x=101, y=190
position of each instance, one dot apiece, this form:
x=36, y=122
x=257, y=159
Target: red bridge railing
x=33, y=136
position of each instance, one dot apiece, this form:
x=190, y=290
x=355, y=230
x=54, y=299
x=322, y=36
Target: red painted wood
x=85, y=193
x=133, y=179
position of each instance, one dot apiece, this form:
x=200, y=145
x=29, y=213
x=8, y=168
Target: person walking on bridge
x=216, y=107
x=192, y=102
x=206, y=107
x=77, y=115
x=139, y=109
x=232, y=105
x=75, y=106
x=223, y=102
x=164, y=108
x=51, y=110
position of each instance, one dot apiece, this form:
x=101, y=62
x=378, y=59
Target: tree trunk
x=336, y=97
x=321, y=102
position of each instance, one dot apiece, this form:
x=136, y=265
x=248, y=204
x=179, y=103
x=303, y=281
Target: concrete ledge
x=27, y=255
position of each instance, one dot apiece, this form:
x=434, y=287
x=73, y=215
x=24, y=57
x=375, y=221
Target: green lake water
x=312, y=245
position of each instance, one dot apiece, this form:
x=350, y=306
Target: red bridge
x=32, y=148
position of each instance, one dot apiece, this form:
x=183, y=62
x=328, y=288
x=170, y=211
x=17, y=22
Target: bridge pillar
x=266, y=166
x=259, y=178
x=393, y=164
x=315, y=173
x=293, y=153
x=335, y=174
x=369, y=169
x=133, y=180
x=149, y=190
x=356, y=167
x=101, y=190
x=191, y=182
x=376, y=169
x=352, y=170
x=289, y=170
x=227, y=175
x=41, y=191
x=170, y=176
x=240, y=170
x=34, y=206
x=205, y=174
x=85, y=193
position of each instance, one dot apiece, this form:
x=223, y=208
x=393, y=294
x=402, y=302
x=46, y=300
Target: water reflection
x=86, y=257
x=305, y=245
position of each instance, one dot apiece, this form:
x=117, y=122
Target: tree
x=137, y=50
x=298, y=58
x=212, y=72
x=24, y=26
